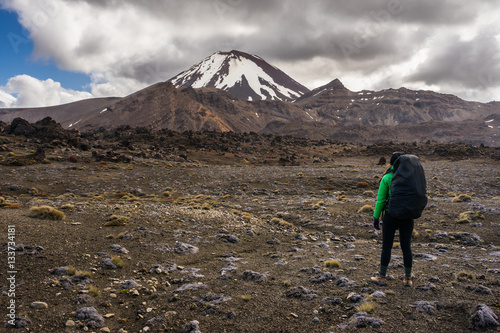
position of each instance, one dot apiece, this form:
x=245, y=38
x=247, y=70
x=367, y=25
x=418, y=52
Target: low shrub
x=469, y=216
x=366, y=307
x=118, y=261
x=94, y=291
x=46, y=213
x=332, y=263
x=464, y=276
x=366, y=209
x=362, y=185
x=462, y=198
x=115, y=221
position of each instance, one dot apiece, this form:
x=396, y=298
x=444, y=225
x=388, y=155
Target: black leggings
x=389, y=227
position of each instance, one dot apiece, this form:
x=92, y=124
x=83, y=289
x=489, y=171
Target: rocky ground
x=217, y=234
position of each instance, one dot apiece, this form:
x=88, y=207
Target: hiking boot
x=407, y=281
x=379, y=279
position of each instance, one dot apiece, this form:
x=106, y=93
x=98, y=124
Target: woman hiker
x=389, y=227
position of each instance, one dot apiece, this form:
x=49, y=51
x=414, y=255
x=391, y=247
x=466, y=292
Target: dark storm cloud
x=358, y=34
x=470, y=63
x=127, y=44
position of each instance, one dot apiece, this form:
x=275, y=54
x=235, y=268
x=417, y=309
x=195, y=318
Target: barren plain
x=206, y=240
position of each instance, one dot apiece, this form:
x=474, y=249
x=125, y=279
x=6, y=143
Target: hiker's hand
x=376, y=224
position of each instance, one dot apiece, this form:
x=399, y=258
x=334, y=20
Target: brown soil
x=264, y=232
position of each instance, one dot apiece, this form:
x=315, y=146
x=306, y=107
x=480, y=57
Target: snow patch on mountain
x=246, y=76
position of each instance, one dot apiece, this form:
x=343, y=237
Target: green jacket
x=384, y=191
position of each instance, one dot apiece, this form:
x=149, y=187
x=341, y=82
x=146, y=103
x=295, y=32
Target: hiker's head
x=395, y=156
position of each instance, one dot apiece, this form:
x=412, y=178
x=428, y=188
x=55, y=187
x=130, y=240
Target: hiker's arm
x=383, y=192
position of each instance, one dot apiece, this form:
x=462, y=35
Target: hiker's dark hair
x=395, y=156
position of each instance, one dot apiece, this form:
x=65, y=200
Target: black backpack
x=408, y=189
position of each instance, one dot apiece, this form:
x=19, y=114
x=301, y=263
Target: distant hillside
x=61, y=113
x=335, y=103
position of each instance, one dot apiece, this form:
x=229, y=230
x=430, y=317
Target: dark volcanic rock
x=20, y=126
x=90, y=317
x=46, y=130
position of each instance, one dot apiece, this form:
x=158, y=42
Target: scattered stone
x=191, y=287
x=127, y=236
x=361, y=319
x=273, y=241
x=424, y=306
x=254, y=276
x=228, y=238
x=353, y=297
x=158, y=268
x=90, y=317
x=118, y=248
x=20, y=322
x=16, y=187
x=296, y=250
x=154, y=320
x=427, y=287
x=327, y=276
x=441, y=234
x=482, y=317
x=332, y=301
x=184, y=248
x=215, y=299
x=70, y=323
x=60, y=271
x=107, y=263
x=345, y=238
x=345, y=282
x=425, y=256
x=481, y=290
x=378, y=294
x=229, y=268
x=302, y=293
x=467, y=239
x=311, y=270
x=231, y=259
x=192, y=327
x=39, y=305
x=130, y=284
x=300, y=237
x=170, y=314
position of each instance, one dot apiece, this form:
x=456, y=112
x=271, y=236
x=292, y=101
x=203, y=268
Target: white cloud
x=6, y=99
x=27, y=91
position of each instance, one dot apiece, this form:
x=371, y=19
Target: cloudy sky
x=58, y=51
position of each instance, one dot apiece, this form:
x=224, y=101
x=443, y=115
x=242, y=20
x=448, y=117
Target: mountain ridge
x=321, y=112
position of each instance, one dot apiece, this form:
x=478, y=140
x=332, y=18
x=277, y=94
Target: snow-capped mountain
x=244, y=75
